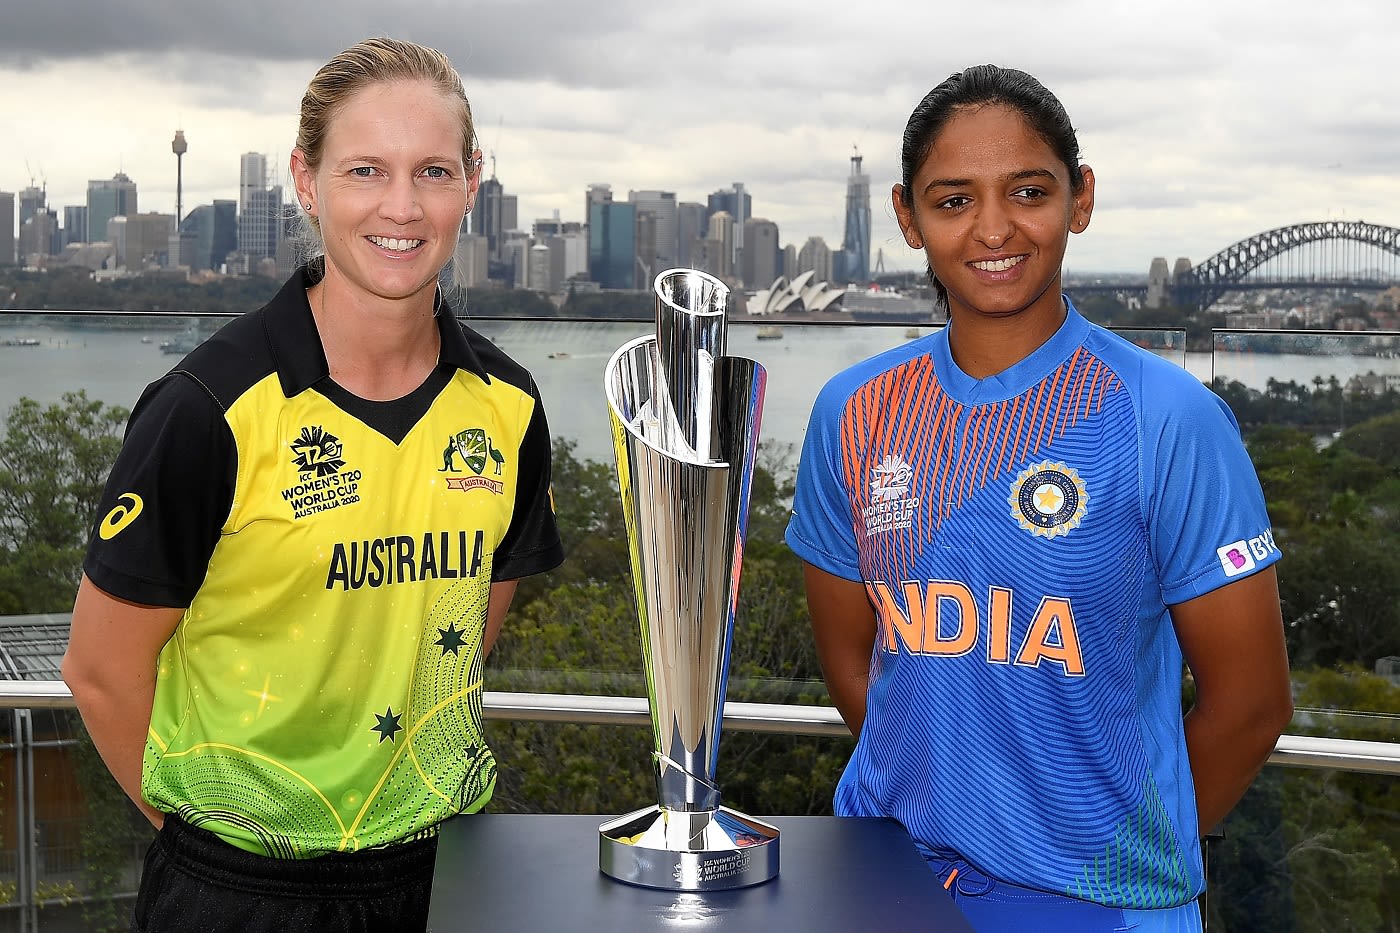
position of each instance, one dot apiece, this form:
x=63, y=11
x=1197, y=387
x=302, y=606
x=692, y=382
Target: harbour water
x=44, y=359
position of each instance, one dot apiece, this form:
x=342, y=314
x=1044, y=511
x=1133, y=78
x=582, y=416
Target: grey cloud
x=498, y=40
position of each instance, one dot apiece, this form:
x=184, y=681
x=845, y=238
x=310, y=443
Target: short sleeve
x=531, y=544
x=1206, y=516
x=166, y=499
x=821, y=529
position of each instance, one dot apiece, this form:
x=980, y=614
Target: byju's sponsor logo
x=1240, y=557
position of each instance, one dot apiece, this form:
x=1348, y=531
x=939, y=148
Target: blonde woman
x=309, y=542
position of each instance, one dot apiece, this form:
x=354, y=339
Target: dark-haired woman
x=1014, y=531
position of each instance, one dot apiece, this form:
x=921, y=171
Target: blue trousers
x=993, y=906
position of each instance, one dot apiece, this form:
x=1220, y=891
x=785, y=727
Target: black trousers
x=194, y=881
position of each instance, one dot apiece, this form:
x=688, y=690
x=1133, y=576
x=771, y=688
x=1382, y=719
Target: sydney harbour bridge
x=1330, y=254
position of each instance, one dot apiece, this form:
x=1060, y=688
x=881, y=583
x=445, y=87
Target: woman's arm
x=1232, y=639
x=497, y=604
x=843, y=624
x=110, y=666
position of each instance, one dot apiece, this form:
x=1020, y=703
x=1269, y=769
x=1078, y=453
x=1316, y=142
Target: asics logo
x=128, y=507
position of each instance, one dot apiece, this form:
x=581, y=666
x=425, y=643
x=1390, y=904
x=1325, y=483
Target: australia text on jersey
x=376, y=562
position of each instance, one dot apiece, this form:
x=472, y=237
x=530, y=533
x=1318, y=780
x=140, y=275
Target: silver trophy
x=685, y=423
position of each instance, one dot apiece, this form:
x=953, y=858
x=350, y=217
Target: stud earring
x=308, y=207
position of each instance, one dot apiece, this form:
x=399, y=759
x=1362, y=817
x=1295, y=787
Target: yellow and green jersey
x=322, y=691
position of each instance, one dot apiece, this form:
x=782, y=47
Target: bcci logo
x=317, y=453
x=475, y=450
x=1048, y=499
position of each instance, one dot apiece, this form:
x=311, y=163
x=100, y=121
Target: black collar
x=296, y=345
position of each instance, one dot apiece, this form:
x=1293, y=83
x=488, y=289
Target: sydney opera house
x=797, y=295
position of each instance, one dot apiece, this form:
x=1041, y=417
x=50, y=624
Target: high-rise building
x=211, y=232
x=224, y=238
x=260, y=223
x=612, y=244
x=144, y=240
x=647, y=264
x=719, y=261
x=32, y=200
x=547, y=226
x=39, y=235
x=762, y=257
x=488, y=216
x=471, y=261
x=596, y=194
x=515, y=256
x=39, y=232
x=252, y=176
x=738, y=204
x=260, y=215
x=75, y=224
x=510, y=213
x=788, y=266
x=574, y=243
x=664, y=246
x=568, y=242
x=108, y=198
x=855, y=247
x=547, y=265
x=815, y=256
x=7, y=228
x=692, y=219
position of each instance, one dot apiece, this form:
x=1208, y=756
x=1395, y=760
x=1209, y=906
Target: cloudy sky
x=1206, y=121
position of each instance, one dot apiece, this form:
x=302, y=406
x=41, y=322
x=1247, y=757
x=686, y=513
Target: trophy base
x=676, y=850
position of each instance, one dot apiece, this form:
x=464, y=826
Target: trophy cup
x=685, y=421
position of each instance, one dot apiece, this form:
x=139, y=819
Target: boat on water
x=19, y=342
x=178, y=345
x=770, y=332
x=559, y=355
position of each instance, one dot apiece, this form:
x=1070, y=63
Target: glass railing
x=568, y=719
x=1308, y=840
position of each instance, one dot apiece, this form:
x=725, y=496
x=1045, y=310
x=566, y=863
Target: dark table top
x=526, y=872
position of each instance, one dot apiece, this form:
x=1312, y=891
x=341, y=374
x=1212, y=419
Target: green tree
x=53, y=463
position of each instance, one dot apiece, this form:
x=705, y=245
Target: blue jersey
x=1021, y=538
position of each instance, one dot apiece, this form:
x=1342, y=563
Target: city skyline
x=1204, y=126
